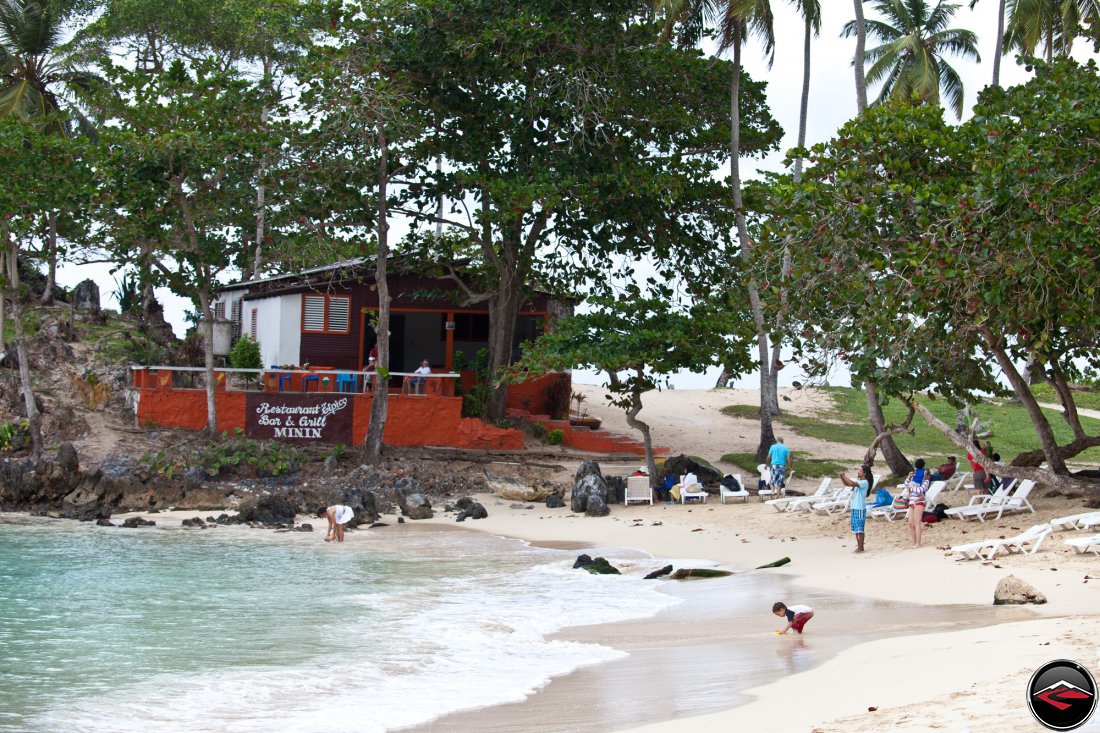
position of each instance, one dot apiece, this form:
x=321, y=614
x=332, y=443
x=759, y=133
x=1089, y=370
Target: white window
x=326, y=314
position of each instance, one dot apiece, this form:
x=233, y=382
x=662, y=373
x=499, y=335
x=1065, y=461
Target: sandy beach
x=904, y=639
x=936, y=674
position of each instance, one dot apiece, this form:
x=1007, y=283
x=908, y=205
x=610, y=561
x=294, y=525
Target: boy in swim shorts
x=338, y=515
x=796, y=616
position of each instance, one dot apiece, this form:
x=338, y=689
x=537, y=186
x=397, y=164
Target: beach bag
x=901, y=502
x=929, y=517
x=731, y=483
x=883, y=498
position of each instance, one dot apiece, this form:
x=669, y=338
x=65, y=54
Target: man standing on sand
x=779, y=458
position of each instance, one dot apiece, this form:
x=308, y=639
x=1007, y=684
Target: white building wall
x=278, y=327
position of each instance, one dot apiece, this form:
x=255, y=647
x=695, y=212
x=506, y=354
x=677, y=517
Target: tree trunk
x=642, y=427
x=1038, y=475
x=1000, y=43
x=768, y=398
x=804, y=107
x=208, y=361
x=34, y=420
x=893, y=457
x=380, y=402
x=858, y=61
x=51, y=259
x=261, y=223
x=503, y=308
x=723, y=379
x=1042, y=428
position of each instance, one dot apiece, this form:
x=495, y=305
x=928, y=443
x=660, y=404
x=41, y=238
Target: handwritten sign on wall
x=313, y=418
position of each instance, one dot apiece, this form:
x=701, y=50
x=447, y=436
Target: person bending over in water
x=338, y=515
x=796, y=616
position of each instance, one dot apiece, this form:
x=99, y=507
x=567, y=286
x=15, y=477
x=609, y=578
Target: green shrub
x=539, y=430
x=245, y=354
x=555, y=437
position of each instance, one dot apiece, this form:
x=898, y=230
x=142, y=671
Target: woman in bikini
x=915, y=487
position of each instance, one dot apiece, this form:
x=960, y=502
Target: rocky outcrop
x=597, y=566
x=363, y=504
x=413, y=504
x=589, y=491
x=679, y=465
x=138, y=522
x=1013, y=591
x=271, y=509
x=658, y=573
x=517, y=490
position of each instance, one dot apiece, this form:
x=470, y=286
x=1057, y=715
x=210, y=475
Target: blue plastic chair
x=310, y=378
x=284, y=379
x=346, y=382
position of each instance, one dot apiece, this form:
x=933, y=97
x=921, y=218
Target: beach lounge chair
x=693, y=491
x=838, y=502
x=962, y=477
x=981, y=503
x=725, y=493
x=1086, y=544
x=889, y=513
x=798, y=503
x=766, y=477
x=1015, y=501
x=1026, y=542
x=1085, y=520
x=637, y=489
x=780, y=504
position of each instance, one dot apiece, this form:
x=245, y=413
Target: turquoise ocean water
x=230, y=629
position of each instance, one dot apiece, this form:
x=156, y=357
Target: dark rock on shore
x=681, y=464
x=554, y=502
x=138, y=522
x=269, y=509
x=1013, y=591
x=659, y=573
x=616, y=489
x=597, y=566
x=685, y=573
x=194, y=523
x=589, y=491
x=363, y=503
x=413, y=504
x=472, y=510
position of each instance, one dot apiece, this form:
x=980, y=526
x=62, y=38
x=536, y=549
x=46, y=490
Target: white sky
x=832, y=103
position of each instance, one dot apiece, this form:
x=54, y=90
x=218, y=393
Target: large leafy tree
x=982, y=254
x=43, y=173
x=361, y=121
x=910, y=61
x=181, y=164
x=735, y=22
x=564, y=140
x=640, y=337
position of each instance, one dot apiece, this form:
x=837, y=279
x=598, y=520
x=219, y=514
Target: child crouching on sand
x=338, y=515
x=796, y=616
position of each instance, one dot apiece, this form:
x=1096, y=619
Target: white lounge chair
x=781, y=503
x=889, y=513
x=690, y=488
x=765, y=475
x=979, y=504
x=798, y=503
x=962, y=477
x=725, y=493
x=1015, y=501
x=638, y=489
x=1086, y=544
x=1085, y=520
x=838, y=502
x=1026, y=542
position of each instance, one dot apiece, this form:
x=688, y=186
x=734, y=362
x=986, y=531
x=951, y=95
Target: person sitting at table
x=368, y=379
x=416, y=382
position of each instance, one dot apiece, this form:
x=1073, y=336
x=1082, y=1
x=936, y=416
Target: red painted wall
x=411, y=420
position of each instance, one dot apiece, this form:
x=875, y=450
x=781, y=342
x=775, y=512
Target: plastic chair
x=346, y=382
x=310, y=378
x=284, y=379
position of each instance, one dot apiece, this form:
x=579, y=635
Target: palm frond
x=952, y=87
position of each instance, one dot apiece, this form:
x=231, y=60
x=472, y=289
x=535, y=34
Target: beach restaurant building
x=315, y=332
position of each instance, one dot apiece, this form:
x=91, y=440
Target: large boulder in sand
x=589, y=487
x=518, y=490
x=362, y=502
x=679, y=465
x=270, y=510
x=1013, y=591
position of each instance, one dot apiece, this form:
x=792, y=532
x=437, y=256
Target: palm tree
x=811, y=14
x=858, y=60
x=1054, y=23
x=1000, y=45
x=735, y=22
x=910, y=60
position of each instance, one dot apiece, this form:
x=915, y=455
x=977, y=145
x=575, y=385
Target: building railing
x=304, y=381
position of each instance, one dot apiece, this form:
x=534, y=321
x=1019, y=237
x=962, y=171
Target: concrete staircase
x=586, y=439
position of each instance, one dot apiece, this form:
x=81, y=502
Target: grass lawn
x=1013, y=432
x=803, y=466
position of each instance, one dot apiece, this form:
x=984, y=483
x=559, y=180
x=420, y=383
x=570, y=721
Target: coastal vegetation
x=574, y=148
